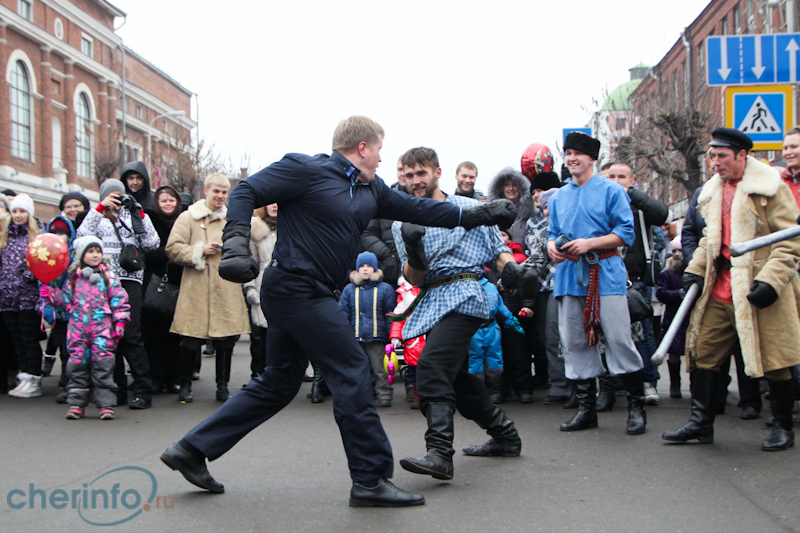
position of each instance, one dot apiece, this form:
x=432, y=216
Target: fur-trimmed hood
x=259, y=230
x=525, y=203
x=376, y=277
x=762, y=204
x=199, y=210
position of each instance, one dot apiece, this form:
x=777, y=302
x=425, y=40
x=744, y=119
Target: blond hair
x=33, y=231
x=217, y=178
x=353, y=131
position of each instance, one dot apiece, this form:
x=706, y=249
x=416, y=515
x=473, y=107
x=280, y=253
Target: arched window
x=20, y=112
x=83, y=134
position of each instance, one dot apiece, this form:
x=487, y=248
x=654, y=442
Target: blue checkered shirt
x=452, y=251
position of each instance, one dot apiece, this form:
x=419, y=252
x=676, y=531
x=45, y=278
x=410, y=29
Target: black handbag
x=638, y=306
x=131, y=259
x=161, y=297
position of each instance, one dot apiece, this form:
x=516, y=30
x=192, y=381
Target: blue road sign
x=587, y=131
x=752, y=59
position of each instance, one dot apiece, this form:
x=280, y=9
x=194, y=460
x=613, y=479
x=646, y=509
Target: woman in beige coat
x=263, y=233
x=209, y=307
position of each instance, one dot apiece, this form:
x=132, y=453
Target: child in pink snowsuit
x=98, y=312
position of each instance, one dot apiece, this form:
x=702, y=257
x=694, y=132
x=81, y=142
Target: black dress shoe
x=750, y=413
x=525, y=397
x=384, y=494
x=140, y=403
x=192, y=466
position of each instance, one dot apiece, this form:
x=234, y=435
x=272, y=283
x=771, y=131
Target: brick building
x=69, y=109
x=681, y=73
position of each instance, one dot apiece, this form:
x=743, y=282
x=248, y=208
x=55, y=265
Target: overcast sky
x=476, y=81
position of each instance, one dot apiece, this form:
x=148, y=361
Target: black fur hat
x=545, y=181
x=583, y=143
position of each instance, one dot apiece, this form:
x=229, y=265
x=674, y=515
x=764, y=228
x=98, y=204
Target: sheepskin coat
x=762, y=204
x=524, y=204
x=208, y=307
x=262, y=243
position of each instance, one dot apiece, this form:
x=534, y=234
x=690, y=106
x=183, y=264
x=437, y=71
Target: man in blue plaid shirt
x=453, y=306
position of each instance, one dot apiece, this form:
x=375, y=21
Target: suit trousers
x=305, y=322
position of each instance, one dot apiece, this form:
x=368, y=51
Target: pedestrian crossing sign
x=763, y=112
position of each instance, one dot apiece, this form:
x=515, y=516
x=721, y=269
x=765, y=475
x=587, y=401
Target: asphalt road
x=291, y=475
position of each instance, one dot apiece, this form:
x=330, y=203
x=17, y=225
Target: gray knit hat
x=109, y=186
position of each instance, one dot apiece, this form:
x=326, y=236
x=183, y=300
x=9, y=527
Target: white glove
x=397, y=343
x=251, y=296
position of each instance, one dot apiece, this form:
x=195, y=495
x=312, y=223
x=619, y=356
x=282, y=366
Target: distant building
x=683, y=68
x=62, y=115
x=613, y=121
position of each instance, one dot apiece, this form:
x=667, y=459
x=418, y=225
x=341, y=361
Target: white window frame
x=20, y=7
x=82, y=88
x=21, y=144
x=19, y=55
x=58, y=29
x=87, y=39
x=139, y=112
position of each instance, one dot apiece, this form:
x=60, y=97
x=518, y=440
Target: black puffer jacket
x=655, y=213
x=144, y=195
x=524, y=204
x=378, y=239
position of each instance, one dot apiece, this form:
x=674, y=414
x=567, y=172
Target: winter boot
x=316, y=387
x=185, y=394
x=705, y=396
x=223, y=363
x=675, y=380
x=572, y=401
x=505, y=441
x=780, y=399
x=606, y=399
x=586, y=417
x=23, y=383
x=438, y=462
x=47, y=365
x=637, y=416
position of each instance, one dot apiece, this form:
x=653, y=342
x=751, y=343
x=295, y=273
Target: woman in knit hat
x=72, y=205
x=19, y=294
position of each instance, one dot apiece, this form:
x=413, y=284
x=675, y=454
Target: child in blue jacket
x=485, y=349
x=366, y=302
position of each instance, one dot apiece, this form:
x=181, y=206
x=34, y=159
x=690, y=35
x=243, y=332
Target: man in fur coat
x=752, y=299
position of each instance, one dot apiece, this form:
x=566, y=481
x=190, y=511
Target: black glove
x=498, y=212
x=522, y=278
x=762, y=295
x=237, y=265
x=412, y=237
x=690, y=279
x=136, y=219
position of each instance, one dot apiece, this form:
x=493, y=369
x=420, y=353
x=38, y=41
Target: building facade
x=681, y=75
x=78, y=101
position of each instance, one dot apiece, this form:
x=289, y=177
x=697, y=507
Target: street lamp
x=150, y=135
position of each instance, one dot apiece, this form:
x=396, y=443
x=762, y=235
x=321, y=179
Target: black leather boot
x=705, y=396
x=572, y=401
x=438, y=462
x=185, y=394
x=606, y=399
x=781, y=402
x=316, y=387
x=505, y=441
x=674, y=380
x=586, y=417
x=637, y=416
x=223, y=363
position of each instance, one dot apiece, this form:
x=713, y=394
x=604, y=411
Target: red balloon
x=536, y=159
x=47, y=257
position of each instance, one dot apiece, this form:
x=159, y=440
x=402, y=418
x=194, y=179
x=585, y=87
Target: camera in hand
x=126, y=201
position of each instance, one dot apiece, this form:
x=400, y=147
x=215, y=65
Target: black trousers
x=305, y=322
x=163, y=349
x=443, y=368
x=131, y=347
x=57, y=341
x=24, y=330
x=258, y=350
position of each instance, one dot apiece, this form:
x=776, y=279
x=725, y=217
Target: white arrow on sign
x=723, y=49
x=759, y=69
x=792, y=48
